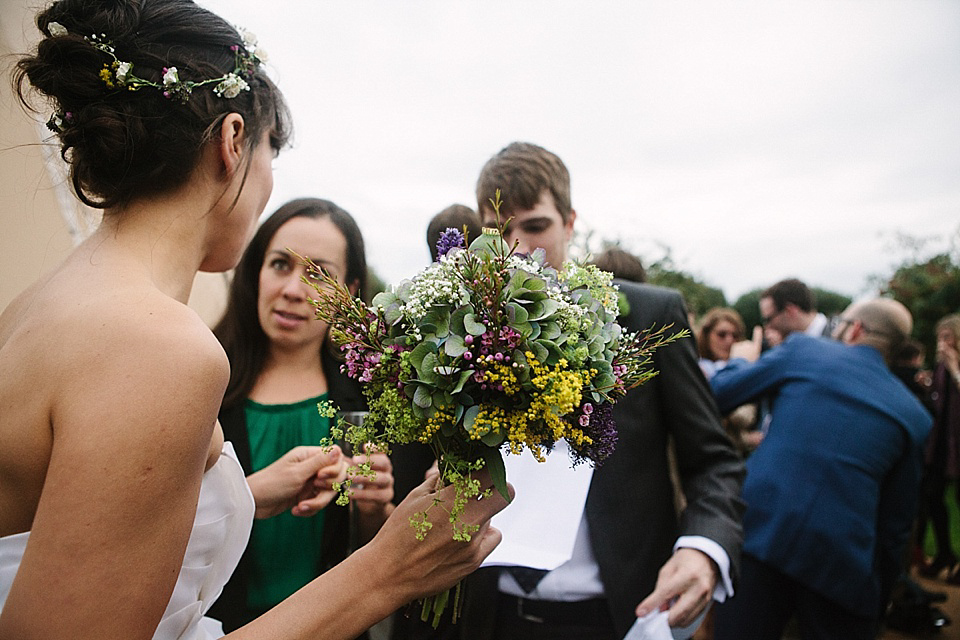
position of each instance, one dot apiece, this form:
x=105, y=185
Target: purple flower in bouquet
x=449, y=240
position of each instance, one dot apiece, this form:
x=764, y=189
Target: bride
x=120, y=505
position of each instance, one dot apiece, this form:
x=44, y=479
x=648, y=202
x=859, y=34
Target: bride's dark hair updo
x=121, y=144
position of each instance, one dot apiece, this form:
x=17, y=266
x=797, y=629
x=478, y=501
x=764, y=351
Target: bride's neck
x=162, y=238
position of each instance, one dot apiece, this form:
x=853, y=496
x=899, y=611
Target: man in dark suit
x=832, y=491
x=632, y=548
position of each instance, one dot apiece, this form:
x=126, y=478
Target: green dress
x=285, y=550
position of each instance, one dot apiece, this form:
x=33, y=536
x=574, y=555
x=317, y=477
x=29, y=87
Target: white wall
x=40, y=219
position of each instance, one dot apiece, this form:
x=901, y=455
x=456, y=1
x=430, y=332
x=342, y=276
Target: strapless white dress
x=220, y=534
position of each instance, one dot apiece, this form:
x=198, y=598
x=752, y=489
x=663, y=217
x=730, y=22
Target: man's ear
x=568, y=225
x=232, y=143
x=855, y=332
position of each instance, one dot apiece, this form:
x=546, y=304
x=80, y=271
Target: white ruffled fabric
x=220, y=533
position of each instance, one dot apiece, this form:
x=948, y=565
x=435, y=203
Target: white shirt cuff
x=724, y=588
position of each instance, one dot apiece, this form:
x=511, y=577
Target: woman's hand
x=749, y=350
x=433, y=472
x=425, y=567
x=301, y=480
x=949, y=357
x=371, y=498
x=390, y=571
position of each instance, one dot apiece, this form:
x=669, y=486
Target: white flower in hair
x=247, y=58
x=56, y=29
x=123, y=70
x=170, y=77
x=249, y=39
x=231, y=86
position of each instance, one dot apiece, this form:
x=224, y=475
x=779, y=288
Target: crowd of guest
x=797, y=381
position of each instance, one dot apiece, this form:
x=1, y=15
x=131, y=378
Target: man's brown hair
x=522, y=172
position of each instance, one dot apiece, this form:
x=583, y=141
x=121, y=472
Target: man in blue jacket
x=831, y=493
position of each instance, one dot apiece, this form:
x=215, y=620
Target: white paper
x=540, y=526
x=653, y=626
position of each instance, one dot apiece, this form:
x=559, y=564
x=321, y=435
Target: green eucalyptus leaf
x=516, y=313
x=428, y=368
x=470, y=417
x=603, y=367
x=554, y=352
x=550, y=330
x=443, y=323
x=420, y=352
x=493, y=438
x=534, y=331
x=454, y=346
x=493, y=460
x=422, y=397
x=535, y=283
x=464, y=376
x=403, y=290
x=456, y=319
x=410, y=388
x=547, y=308
x=523, y=328
x=384, y=299
x=392, y=314
x=539, y=351
x=517, y=278
x=604, y=381
x=472, y=326
x=596, y=347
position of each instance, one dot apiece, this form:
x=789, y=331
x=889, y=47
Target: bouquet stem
x=435, y=605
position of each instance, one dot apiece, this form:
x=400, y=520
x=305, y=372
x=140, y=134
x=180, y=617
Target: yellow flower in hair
x=107, y=76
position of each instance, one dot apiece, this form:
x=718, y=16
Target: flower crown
x=120, y=74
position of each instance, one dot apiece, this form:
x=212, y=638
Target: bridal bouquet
x=486, y=352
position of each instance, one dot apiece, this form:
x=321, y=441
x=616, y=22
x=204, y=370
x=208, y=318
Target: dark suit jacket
x=231, y=607
x=630, y=509
x=832, y=491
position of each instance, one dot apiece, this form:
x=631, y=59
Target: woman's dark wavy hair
x=123, y=144
x=239, y=330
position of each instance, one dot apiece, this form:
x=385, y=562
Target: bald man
x=832, y=491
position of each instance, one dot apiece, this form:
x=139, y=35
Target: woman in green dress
x=282, y=366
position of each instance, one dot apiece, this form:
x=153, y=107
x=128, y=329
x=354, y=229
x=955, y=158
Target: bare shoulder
x=100, y=348
x=154, y=357
x=149, y=338
x=101, y=377
x=117, y=394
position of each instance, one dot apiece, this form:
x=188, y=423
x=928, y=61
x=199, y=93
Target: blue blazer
x=832, y=491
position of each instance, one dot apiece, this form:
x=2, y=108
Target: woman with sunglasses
x=720, y=328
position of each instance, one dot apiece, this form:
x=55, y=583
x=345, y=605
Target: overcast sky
x=757, y=140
